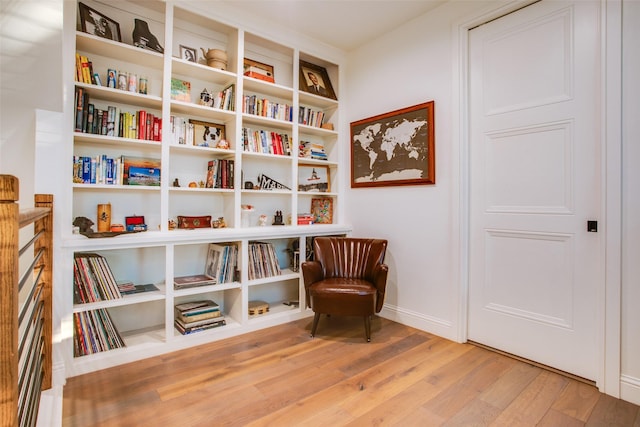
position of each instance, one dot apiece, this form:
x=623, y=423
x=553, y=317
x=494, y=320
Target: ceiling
x=345, y=24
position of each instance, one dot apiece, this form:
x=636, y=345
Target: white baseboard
x=630, y=389
x=433, y=325
x=50, y=411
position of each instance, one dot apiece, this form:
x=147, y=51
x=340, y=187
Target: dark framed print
x=395, y=148
x=207, y=134
x=188, y=53
x=94, y=22
x=313, y=178
x=314, y=79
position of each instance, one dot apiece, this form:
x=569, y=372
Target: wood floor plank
x=282, y=377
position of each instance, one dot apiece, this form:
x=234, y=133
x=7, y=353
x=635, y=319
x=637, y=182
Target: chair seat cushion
x=340, y=296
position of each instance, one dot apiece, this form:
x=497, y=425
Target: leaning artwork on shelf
x=315, y=79
x=395, y=148
x=188, y=53
x=313, y=178
x=207, y=134
x=322, y=210
x=94, y=22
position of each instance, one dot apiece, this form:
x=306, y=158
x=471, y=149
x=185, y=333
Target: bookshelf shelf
x=145, y=321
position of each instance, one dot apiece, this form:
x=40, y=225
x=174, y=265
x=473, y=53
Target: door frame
x=608, y=315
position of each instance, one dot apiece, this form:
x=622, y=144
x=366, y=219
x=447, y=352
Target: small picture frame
x=207, y=134
x=322, y=210
x=313, y=179
x=94, y=22
x=258, y=70
x=188, y=54
x=314, y=79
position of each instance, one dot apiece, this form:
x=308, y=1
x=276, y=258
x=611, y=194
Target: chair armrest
x=380, y=272
x=311, y=273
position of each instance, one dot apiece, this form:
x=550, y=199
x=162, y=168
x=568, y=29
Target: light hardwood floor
x=282, y=377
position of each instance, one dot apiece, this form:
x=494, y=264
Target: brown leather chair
x=347, y=278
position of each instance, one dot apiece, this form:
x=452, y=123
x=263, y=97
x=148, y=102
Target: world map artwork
x=391, y=149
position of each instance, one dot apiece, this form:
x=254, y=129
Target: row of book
x=94, y=332
x=312, y=150
x=113, y=122
x=196, y=316
x=265, y=108
x=92, y=279
x=222, y=262
x=121, y=170
x=263, y=261
x=220, y=173
x=309, y=117
x=266, y=142
x=84, y=70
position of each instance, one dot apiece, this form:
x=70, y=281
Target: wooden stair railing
x=25, y=305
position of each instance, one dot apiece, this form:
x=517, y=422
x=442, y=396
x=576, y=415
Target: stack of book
x=312, y=150
x=92, y=279
x=220, y=173
x=193, y=281
x=94, y=332
x=263, y=261
x=197, y=316
x=305, y=219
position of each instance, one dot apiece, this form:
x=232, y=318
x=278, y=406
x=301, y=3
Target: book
x=128, y=288
x=190, y=330
x=193, y=280
x=221, y=262
x=189, y=320
x=193, y=308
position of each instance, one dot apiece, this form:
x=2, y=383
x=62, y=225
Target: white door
x=534, y=269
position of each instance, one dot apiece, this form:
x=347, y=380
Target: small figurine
x=205, y=98
x=176, y=183
x=84, y=224
x=193, y=184
x=221, y=222
x=277, y=218
x=172, y=225
x=262, y=220
x=201, y=184
x=223, y=144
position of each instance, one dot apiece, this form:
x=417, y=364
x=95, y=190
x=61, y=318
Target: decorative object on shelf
x=395, y=148
x=207, y=134
x=245, y=215
x=313, y=178
x=142, y=85
x=219, y=223
x=84, y=224
x=143, y=38
x=141, y=171
x=176, y=183
x=315, y=79
x=117, y=228
x=294, y=254
x=267, y=183
x=216, y=58
x=94, y=22
x=258, y=307
x=327, y=126
x=180, y=90
x=223, y=144
x=262, y=220
x=201, y=184
x=111, y=78
x=188, y=53
x=248, y=185
x=277, y=218
x=123, y=80
x=190, y=222
x=205, y=98
x=172, y=224
x=104, y=217
x=258, y=70
x=193, y=184
x=135, y=223
x=322, y=210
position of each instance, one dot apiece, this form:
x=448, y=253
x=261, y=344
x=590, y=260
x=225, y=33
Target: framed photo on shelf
x=395, y=148
x=188, y=53
x=315, y=79
x=94, y=22
x=313, y=178
x=207, y=134
x=258, y=70
x=322, y=210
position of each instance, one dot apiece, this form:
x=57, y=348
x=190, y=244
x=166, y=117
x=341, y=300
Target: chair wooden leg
x=367, y=327
x=316, y=317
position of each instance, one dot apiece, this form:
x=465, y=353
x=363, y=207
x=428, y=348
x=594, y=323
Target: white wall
x=414, y=64
x=631, y=203
x=411, y=65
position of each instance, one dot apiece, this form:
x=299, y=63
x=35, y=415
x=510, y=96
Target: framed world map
x=395, y=148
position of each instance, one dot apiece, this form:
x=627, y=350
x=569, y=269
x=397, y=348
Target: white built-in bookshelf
x=145, y=321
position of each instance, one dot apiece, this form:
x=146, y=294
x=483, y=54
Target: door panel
x=534, y=270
